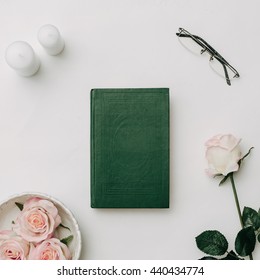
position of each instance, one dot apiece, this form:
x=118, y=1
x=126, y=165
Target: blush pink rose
x=38, y=220
x=12, y=247
x=223, y=153
x=50, y=249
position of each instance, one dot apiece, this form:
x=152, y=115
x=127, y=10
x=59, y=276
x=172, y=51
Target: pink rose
x=38, y=220
x=223, y=153
x=12, y=247
x=50, y=249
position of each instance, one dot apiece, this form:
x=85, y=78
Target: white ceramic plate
x=9, y=211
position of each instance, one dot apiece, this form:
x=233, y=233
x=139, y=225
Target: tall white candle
x=21, y=57
x=51, y=40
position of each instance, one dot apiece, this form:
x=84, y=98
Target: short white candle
x=51, y=40
x=21, y=57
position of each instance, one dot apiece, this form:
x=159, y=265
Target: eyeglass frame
x=212, y=52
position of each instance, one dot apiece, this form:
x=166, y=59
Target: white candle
x=51, y=40
x=21, y=57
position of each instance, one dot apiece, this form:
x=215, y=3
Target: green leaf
x=258, y=238
x=251, y=218
x=212, y=242
x=217, y=175
x=208, y=258
x=240, y=161
x=224, y=179
x=61, y=225
x=19, y=205
x=231, y=256
x=67, y=240
x=245, y=241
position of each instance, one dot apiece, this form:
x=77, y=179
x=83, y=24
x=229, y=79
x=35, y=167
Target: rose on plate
x=38, y=220
x=12, y=246
x=49, y=249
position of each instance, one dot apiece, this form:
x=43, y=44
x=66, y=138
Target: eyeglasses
x=199, y=46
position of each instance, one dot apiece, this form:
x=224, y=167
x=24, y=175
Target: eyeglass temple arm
x=226, y=73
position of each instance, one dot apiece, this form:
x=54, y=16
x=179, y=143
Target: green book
x=130, y=148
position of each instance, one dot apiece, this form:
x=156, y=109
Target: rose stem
x=237, y=204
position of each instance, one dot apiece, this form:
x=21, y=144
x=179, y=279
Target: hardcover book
x=130, y=148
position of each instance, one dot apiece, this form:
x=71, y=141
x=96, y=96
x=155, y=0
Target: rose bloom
x=12, y=247
x=223, y=153
x=50, y=249
x=38, y=220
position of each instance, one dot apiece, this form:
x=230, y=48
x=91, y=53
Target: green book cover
x=130, y=148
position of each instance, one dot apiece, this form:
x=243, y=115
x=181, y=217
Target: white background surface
x=45, y=119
